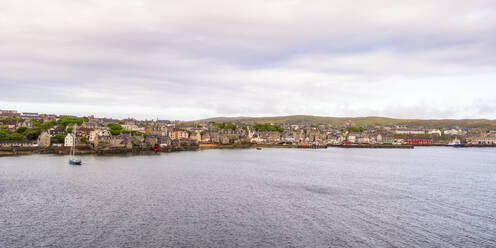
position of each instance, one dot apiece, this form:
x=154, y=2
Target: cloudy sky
x=193, y=59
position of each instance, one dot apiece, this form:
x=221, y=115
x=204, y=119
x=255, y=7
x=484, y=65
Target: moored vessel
x=73, y=160
x=456, y=143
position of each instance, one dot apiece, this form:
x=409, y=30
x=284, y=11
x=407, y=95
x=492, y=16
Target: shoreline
x=83, y=150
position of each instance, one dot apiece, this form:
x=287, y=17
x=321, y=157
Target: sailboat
x=73, y=160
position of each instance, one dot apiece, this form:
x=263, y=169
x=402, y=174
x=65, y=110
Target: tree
x=44, y=125
x=132, y=132
x=114, y=126
x=231, y=126
x=16, y=136
x=356, y=129
x=4, y=134
x=83, y=140
x=69, y=130
x=58, y=138
x=225, y=126
x=220, y=125
x=115, y=129
x=267, y=127
x=32, y=133
x=13, y=119
x=115, y=132
x=68, y=120
x=202, y=133
x=21, y=130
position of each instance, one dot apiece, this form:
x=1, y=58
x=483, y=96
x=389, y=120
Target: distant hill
x=359, y=121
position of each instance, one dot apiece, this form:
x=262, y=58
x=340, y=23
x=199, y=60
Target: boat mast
x=73, y=148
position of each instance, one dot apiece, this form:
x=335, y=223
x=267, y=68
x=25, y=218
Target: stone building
x=44, y=139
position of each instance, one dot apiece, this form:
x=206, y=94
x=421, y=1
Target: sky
x=192, y=59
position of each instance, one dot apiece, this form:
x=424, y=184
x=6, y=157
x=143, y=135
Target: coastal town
x=51, y=132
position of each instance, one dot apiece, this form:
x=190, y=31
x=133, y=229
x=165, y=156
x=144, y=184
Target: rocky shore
x=81, y=150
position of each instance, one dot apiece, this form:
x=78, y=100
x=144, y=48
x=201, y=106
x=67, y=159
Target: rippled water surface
x=425, y=197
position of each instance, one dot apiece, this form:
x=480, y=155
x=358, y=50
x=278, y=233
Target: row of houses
x=95, y=131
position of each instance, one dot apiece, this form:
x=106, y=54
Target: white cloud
x=193, y=59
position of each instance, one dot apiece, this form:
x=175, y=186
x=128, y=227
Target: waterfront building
x=116, y=141
x=17, y=143
x=273, y=137
x=69, y=140
x=452, y=132
x=84, y=132
x=157, y=129
x=98, y=133
x=435, y=132
x=364, y=140
x=205, y=138
x=481, y=141
x=379, y=139
x=418, y=141
x=289, y=138
x=195, y=136
x=178, y=133
x=410, y=131
x=44, y=139
x=256, y=139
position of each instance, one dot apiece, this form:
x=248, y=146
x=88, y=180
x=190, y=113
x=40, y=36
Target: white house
x=435, y=132
x=379, y=139
x=451, y=132
x=69, y=140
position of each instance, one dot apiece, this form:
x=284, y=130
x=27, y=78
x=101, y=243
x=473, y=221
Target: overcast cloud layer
x=194, y=59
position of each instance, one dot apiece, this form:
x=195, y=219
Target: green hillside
x=359, y=121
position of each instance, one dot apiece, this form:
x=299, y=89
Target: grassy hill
x=359, y=121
